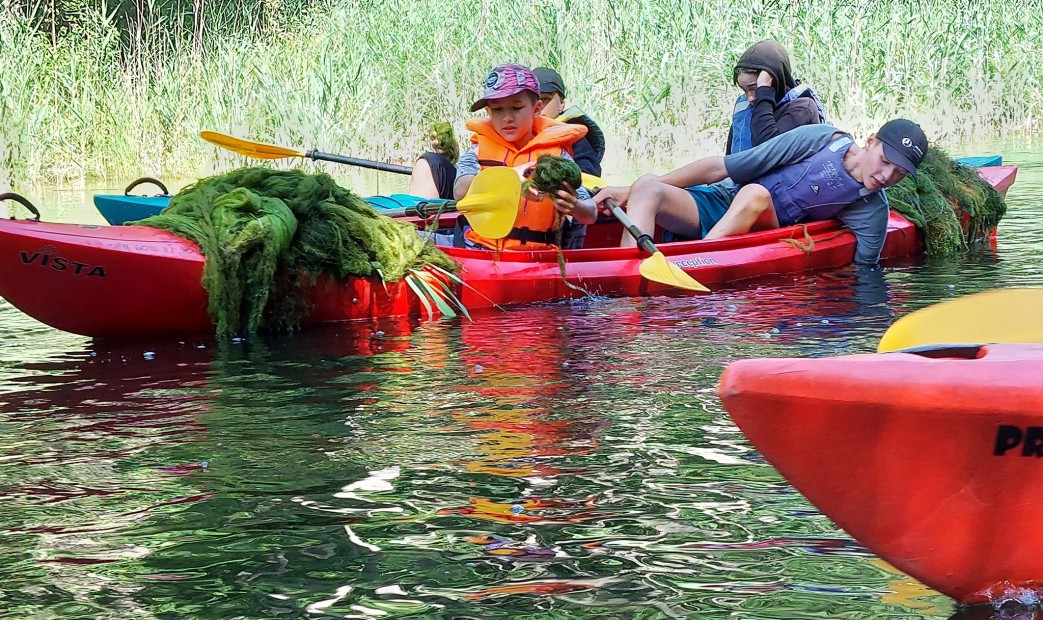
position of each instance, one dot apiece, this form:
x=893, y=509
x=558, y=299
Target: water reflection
x=987, y=612
x=565, y=456
x=564, y=460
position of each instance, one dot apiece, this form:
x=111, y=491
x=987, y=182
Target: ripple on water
x=565, y=460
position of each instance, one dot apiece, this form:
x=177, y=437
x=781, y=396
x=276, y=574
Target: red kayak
x=111, y=281
x=932, y=461
x=133, y=280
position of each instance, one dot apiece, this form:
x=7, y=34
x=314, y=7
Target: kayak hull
x=931, y=463
x=151, y=282
x=980, y=161
x=123, y=281
x=526, y=277
x=133, y=280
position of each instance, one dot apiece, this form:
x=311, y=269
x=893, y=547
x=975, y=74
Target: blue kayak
x=981, y=161
x=118, y=209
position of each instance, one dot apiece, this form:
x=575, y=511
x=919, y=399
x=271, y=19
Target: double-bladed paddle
x=491, y=203
x=1011, y=315
x=655, y=267
x=260, y=150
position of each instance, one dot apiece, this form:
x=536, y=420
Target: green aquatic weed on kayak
x=950, y=203
x=444, y=139
x=550, y=174
x=264, y=232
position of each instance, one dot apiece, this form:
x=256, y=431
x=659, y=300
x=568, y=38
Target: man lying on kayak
x=811, y=173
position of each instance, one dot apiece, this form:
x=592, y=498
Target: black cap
x=904, y=143
x=550, y=81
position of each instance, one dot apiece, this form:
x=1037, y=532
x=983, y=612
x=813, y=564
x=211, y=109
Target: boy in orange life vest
x=515, y=134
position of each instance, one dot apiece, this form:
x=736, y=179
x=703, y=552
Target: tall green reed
x=367, y=77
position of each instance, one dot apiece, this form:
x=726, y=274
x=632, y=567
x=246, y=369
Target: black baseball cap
x=904, y=143
x=550, y=81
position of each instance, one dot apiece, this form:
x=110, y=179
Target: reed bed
x=95, y=100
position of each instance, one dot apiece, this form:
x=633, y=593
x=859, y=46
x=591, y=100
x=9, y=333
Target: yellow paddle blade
x=592, y=182
x=250, y=148
x=658, y=269
x=1010, y=315
x=491, y=204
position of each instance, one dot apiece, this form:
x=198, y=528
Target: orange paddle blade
x=257, y=150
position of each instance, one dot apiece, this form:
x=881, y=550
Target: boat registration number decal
x=695, y=262
x=44, y=257
x=1008, y=437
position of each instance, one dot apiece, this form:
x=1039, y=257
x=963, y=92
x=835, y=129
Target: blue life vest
x=742, y=116
x=816, y=188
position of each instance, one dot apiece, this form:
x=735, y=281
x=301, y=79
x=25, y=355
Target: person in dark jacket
x=587, y=151
x=773, y=101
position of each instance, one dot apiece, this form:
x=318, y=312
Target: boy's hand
x=524, y=172
x=534, y=194
x=764, y=79
x=565, y=200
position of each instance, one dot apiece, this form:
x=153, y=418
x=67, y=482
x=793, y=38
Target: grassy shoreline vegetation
x=90, y=93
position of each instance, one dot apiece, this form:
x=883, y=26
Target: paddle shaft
x=421, y=209
x=644, y=240
x=362, y=163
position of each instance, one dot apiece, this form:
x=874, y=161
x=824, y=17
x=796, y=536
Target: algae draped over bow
x=928, y=201
x=266, y=232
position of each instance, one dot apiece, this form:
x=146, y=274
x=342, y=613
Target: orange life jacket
x=537, y=219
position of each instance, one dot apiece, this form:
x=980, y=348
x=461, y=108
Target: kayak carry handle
x=24, y=202
x=142, y=180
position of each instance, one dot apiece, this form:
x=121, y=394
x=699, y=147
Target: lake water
x=563, y=460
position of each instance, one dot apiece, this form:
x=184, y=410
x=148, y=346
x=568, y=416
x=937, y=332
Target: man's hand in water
x=764, y=79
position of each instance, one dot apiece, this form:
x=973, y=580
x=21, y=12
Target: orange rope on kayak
x=808, y=244
x=805, y=247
